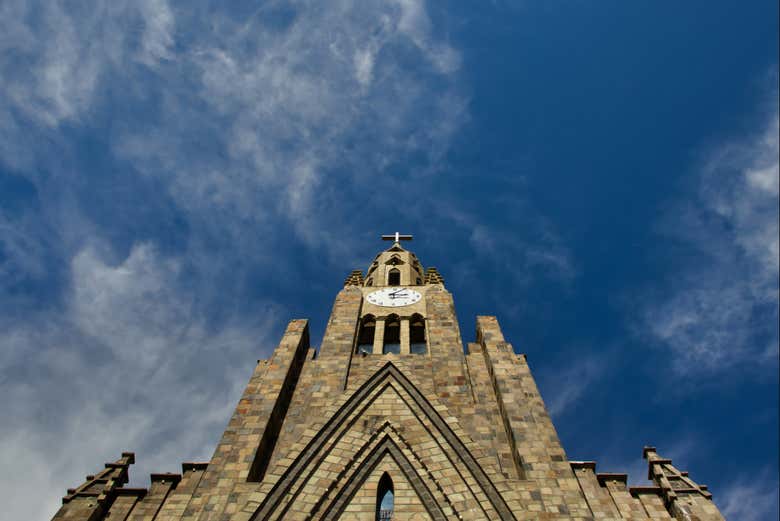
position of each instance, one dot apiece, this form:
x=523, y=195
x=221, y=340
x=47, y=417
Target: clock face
x=394, y=297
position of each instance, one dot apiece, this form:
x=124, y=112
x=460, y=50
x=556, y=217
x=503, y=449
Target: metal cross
x=397, y=237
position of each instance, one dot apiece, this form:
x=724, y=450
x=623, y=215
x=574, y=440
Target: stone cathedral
x=391, y=419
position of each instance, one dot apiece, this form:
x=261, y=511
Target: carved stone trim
x=386, y=446
x=282, y=488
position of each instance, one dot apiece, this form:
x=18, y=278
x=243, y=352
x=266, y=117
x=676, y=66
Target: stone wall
x=463, y=436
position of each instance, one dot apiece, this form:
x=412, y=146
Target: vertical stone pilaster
x=535, y=442
x=340, y=332
x=338, y=342
x=326, y=376
x=178, y=499
x=446, y=351
x=629, y=507
x=652, y=503
x=487, y=423
x=379, y=336
x=405, y=336
x=147, y=510
x=598, y=498
x=249, y=439
x=125, y=502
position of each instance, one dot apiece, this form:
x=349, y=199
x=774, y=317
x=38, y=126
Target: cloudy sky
x=179, y=179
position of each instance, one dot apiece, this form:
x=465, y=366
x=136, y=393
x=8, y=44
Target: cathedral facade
x=391, y=419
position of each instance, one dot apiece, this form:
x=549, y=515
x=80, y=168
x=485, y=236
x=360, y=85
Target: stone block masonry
x=324, y=435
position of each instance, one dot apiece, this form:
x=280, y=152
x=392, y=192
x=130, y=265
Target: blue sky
x=179, y=179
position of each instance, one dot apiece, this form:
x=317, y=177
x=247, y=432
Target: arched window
x=392, y=343
x=419, y=281
x=394, y=277
x=370, y=282
x=417, y=345
x=384, y=498
x=366, y=335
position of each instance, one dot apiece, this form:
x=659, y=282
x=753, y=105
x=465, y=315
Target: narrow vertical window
x=366, y=335
x=394, y=277
x=417, y=344
x=384, y=498
x=392, y=340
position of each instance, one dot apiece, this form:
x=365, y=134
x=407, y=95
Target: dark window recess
x=366, y=335
x=417, y=344
x=385, y=498
x=392, y=340
x=394, y=277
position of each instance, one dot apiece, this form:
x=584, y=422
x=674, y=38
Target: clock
x=394, y=297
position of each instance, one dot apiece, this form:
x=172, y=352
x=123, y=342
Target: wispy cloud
x=579, y=376
x=751, y=498
x=624, y=454
x=325, y=102
x=56, y=78
x=721, y=309
x=288, y=111
x=164, y=158
x=521, y=246
x=124, y=365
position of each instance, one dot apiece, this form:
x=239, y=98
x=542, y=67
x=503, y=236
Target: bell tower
x=395, y=266
x=391, y=419
x=395, y=279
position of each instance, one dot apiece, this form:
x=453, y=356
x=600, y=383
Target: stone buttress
x=391, y=398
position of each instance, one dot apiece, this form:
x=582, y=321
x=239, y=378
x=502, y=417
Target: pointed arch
x=290, y=482
x=421, y=486
x=392, y=338
x=394, y=277
x=365, y=339
x=417, y=339
x=395, y=260
x=385, y=498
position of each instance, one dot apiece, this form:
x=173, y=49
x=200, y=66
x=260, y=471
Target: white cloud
x=130, y=308
x=287, y=117
x=726, y=304
x=415, y=23
x=236, y=129
x=56, y=54
x=364, y=65
x=127, y=365
x=158, y=31
x=579, y=377
x=751, y=498
x=291, y=117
